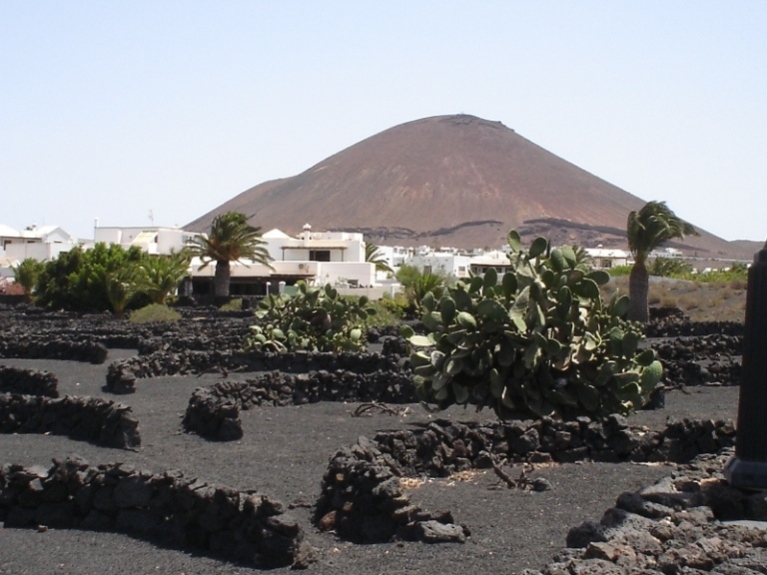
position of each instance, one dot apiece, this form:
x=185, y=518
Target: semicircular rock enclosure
x=96, y=385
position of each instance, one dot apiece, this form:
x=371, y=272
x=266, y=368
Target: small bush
x=386, y=314
x=234, y=304
x=154, y=313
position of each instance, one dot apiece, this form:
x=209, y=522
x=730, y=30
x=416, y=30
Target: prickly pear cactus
x=314, y=319
x=537, y=341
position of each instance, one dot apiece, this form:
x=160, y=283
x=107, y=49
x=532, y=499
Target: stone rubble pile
x=691, y=522
x=170, y=508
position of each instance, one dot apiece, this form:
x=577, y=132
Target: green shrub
x=619, y=271
x=388, y=311
x=417, y=284
x=154, y=313
x=25, y=274
x=234, y=304
x=538, y=341
x=314, y=319
x=666, y=267
x=77, y=280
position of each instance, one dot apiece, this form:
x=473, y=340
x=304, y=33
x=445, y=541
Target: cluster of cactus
x=538, y=341
x=313, y=319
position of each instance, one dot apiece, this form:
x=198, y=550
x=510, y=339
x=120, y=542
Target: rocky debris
x=362, y=497
x=28, y=381
x=169, y=508
x=213, y=411
x=82, y=418
x=691, y=522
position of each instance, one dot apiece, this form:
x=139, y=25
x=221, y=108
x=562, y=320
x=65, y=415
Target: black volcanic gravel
x=284, y=453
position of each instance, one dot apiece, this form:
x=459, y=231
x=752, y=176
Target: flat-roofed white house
x=152, y=240
x=604, y=258
x=441, y=262
x=40, y=243
x=317, y=258
x=495, y=259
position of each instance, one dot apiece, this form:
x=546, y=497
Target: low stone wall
x=28, y=381
x=82, y=418
x=362, y=499
x=681, y=524
x=122, y=374
x=213, y=411
x=177, y=511
x=42, y=347
x=706, y=360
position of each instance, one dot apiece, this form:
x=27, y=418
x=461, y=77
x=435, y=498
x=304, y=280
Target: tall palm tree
x=231, y=239
x=374, y=256
x=646, y=230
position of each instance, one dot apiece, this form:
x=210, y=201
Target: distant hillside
x=452, y=181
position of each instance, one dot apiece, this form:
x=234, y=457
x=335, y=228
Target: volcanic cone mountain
x=450, y=181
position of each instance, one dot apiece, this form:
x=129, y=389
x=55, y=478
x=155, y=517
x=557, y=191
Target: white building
x=495, y=259
x=152, y=240
x=40, y=243
x=317, y=258
x=444, y=262
x=604, y=259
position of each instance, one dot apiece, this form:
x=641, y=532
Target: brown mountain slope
x=450, y=181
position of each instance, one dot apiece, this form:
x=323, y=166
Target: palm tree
x=121, y=286
x=231, y=239
x=161, y=275
x=646, y=230
x=374, y=256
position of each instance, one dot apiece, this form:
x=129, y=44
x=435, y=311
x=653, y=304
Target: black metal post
x=748, y=468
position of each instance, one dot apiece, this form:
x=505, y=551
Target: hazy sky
x=129, y=110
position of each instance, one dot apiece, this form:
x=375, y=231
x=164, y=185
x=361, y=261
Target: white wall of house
x=40, y=243
x=318, y=258
x=604, y=259
x=495, y=259
x=153, y=240
x=360, y=274
x=315, y=246
x=441, y=263
x=36, y=251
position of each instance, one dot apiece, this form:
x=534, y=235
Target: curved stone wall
x=213, y=411
x=362, y=498
x=168, y=508
x=54, y=347
x=28, y=381
x=122, y=374
x=82, y=418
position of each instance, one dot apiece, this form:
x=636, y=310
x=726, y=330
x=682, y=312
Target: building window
x=606, y=264
x=319, y=255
